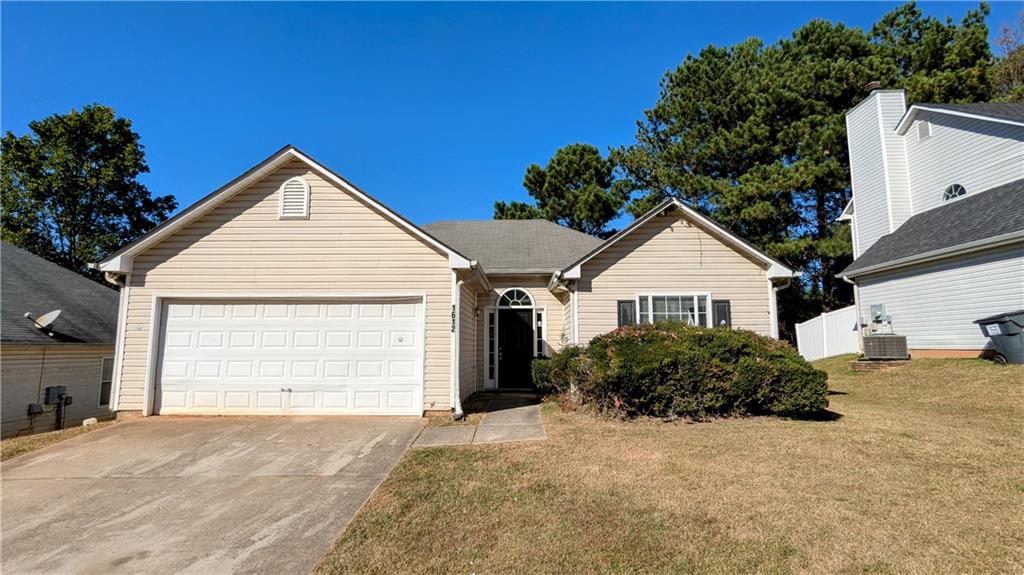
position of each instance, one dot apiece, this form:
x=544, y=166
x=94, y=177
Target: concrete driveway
x=195, y=495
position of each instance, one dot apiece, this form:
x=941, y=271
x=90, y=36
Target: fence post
x=824, y=335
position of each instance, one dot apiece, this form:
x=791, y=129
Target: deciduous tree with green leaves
x=70, y=188
x=577, y=189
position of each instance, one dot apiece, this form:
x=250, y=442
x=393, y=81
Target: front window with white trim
x=689, y=308
x=106, y=380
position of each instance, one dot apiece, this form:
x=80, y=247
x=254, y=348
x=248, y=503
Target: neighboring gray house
x=79, y=355
x=937, y=217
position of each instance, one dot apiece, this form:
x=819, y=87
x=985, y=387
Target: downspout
x=121, y=281
x=775, y=305
x=856, y=309
x=456, y=398
x=575, y=296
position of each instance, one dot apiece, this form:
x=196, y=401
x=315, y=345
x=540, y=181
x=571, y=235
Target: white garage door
x=278, y=357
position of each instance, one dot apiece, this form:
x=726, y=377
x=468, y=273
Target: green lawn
x=922, y=473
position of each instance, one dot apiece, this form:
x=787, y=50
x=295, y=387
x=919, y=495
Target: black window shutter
x=627, y=312
x=722, y=314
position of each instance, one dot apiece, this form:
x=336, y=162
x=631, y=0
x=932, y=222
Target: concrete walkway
x=511, y=418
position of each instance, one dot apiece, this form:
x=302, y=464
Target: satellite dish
x=44, y=321
x=47, y=318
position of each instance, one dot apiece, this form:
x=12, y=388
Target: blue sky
x=436, y=109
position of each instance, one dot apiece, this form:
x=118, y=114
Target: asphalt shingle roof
x=29, y=283
x=978, y=216
x=508, y=246
x=1000, y=110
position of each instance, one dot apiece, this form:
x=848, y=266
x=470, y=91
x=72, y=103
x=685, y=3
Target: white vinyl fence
x=832, y=333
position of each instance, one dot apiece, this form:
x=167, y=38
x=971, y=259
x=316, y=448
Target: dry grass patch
x=922, y=473
x=15, y=446
x=475, y=407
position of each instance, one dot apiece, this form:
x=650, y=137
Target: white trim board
x=908, y=118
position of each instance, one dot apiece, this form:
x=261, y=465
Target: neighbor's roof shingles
x=978, y=216
x=29, y=283
x=511, y=246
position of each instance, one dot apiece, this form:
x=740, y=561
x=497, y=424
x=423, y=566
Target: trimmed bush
x=672, y=369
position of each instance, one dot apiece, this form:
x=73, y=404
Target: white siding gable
x=978, y=154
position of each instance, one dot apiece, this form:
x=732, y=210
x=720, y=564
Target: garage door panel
x=334, y=357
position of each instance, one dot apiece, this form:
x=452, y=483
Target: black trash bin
x=1006, y=330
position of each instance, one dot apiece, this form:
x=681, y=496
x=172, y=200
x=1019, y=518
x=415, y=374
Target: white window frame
x=953, y=198
x=533, y=300
x=305, y=204
x=655, y=293
x=490, y=317
x=110, y=398
x=540, y=344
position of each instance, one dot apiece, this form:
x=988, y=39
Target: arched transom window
x=953, y=192
x=515, y=297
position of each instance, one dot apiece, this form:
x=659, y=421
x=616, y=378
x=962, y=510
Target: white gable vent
x=924, y=130
x=294, y=199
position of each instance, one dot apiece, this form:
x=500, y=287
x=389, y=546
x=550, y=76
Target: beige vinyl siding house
x=670, y=255
x=75, y=351
x=27, y=370
x=291, y=291
x=241, y=249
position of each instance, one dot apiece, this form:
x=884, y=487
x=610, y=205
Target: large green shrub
x=671, y=369
x=562, y=372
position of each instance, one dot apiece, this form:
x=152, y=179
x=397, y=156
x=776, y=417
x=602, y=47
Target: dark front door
x=515, y=348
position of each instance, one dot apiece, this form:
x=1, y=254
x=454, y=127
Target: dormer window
x=924, y=130
x=953, y=192
x=294, y=199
